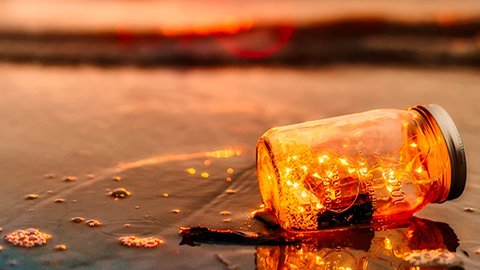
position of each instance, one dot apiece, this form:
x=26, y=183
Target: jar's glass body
x=373, y=166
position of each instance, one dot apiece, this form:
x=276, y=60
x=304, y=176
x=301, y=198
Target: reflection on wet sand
x=367, y=248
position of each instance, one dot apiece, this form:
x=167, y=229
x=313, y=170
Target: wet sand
x=149, y=126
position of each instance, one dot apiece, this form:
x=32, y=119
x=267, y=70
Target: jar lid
x=454, y=145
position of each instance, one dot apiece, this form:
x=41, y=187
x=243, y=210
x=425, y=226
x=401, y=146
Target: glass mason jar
x=375, y=166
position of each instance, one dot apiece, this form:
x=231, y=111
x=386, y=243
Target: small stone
x=176, y=211
x=225, y=213
x=31, y=197
x=230, y=170
x=90, y=176
x=204, y=174
x=1, y=248
x=31, y=210
x=93, y=223
x=49, y=191
x=469, y=209
x=137, y=206
x=165, y=195
x=127, y=225
x=117, y=178
x=207, y=162
x=228, y=179
x=77, y=219
x=70, y=178
x=60, y=247
x=230, y=191
x=477, y=251
x=49, y=175
x=1, y=229
x=227, y=220
x=74, y=201
x=59, y=200
x=120, y=193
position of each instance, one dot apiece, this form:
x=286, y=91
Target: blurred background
x=147, y=89
x=226, y=32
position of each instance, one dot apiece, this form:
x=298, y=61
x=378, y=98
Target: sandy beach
x=148, y=126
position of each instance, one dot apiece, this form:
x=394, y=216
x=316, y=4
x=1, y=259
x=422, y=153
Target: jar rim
x=454, y=145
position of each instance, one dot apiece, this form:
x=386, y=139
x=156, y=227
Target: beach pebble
x=230, y=191
x=60, y=247
x=469, y=209
x=31, y=196
x=117, y=178
x=77, y=219
x=176, y=211
x=49, y=175
x=93, y=223
x=59, y=200
x=70, y=178
x=120, y=193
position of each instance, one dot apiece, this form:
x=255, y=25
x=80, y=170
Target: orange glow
x=227, y=153
x=283, y=34
x=191, y=171
x=311, y=185
x=206, y=27
x=207, y=162
x=363, y=248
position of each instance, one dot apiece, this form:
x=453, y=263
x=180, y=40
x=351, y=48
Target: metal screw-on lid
x=454, y=146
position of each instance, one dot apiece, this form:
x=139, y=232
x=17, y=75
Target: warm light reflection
x=226, y=153
x=272, y=41
x=362, y=248
x=191, y=171
x=229, y=25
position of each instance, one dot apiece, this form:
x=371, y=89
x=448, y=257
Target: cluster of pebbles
x=134, y=241
x=28, y=238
